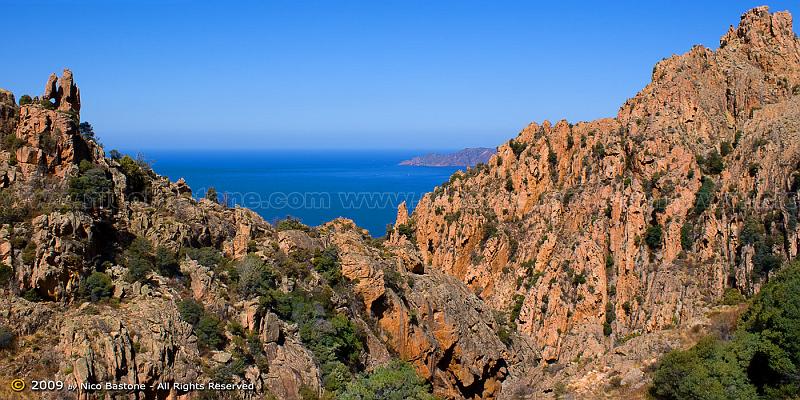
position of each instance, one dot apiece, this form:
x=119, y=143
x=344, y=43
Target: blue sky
x=347, y=74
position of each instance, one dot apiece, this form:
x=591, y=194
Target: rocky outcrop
x=624, y=226
x=8, y=113
x=47, y=138
x=63, y=92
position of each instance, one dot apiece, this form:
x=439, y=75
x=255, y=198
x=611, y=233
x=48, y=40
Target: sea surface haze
x=313, y=185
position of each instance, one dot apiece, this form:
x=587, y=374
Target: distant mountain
x=464, y=158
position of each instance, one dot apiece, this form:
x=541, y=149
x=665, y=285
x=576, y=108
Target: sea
x=313, y=186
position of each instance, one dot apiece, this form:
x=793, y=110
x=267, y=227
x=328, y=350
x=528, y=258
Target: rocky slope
x=610, y=241
x=464, y=158
x=567, y=264
x=121, y=276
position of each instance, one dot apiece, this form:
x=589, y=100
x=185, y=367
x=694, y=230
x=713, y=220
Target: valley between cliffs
x=565, y=266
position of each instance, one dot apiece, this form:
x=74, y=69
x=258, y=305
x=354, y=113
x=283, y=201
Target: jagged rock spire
x=66, y=94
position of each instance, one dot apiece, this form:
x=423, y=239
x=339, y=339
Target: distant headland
x=463, y=158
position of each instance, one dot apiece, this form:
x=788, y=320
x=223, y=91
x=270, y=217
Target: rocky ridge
x=622, y=232
x=73, y=217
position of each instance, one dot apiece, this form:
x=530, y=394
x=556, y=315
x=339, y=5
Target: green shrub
x=190, y=311
x=707, y=371
x=660, y=205
x=139, y=260
x=6, y=273
x=761, y=361
x=327, y=264
x=725, y=148
x=330, y=336
x=713, y=162
x=599, y=150
x=92, y=188
x=166, y=262
x=208, y=328
x=135, y=176
x=394, y=381
x=291, y=223
x=32, y=295
x=86, y=130
x=704, y=196
x=98, y=286
x=210, y=332
x=255, y=277
x=687, y=236
x=654, y=237
x=752, y=232
x=208, y=257
x=409, y=230
x=211, y=194
x=6, y=337
x=25, y=99
x=611, y=316
x=47, y=104
x=516, y=308
x=517, y=147
x=29, y=253
x=732, y=297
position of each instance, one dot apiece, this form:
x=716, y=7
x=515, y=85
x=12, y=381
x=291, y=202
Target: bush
x=211, y=194
x=190, y=311
x=139, y=260
x=654, y=236
x=255, y=277
x=210, y=332
x=725, y=148
x=331, y=337
x=409, y=231
x=599, y=150
x=47, y=104
x=704, y=196
x=291, y=223
x=687, y=236
x=98, y=286
x=660, y=205
x=6, y=337
x=135, y=176
x=394, y=381
x=166, y=263
x=713, y=163
x=92, y=188
x=6, y=273
x=732, y=297
x=761, y=361
x=327, y=264
x=707, y=371
x=208, y=257
x=86, y=130
x=25, y=100
x=517, y=147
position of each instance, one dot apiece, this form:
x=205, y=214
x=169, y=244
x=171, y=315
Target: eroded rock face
x=57, y=249
x=8, y=113
x=48, y=139
x=64, y=92
x=431, y=320
x=601, y=228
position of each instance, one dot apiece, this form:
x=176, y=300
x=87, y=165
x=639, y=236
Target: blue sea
x=314, y=186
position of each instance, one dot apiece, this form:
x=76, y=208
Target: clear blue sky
x=347, y=74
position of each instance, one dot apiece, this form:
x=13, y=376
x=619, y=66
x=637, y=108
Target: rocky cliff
x=568, y=264
x=606, y=241
x=113, y=274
